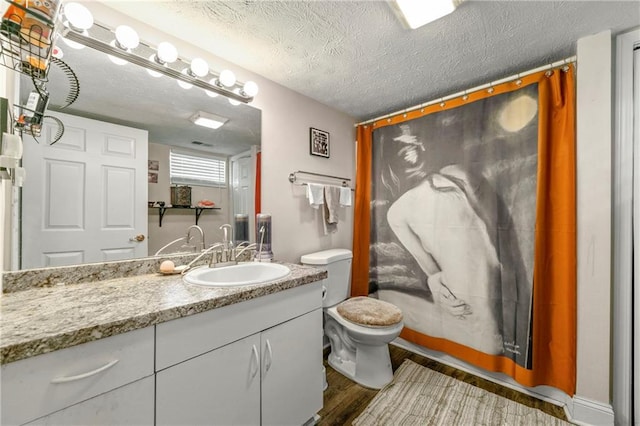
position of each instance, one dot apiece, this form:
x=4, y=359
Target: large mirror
x=127, y=97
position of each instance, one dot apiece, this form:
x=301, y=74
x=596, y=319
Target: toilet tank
x=337, y=263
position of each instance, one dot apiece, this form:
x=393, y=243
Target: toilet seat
x=372, y=331
x=369, y=312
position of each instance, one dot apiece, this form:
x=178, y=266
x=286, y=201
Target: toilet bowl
x=359, y=329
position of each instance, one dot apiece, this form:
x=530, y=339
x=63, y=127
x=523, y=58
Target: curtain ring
x=490, y=89
x=549, y=73
x=565, y=68
x=465, y=96
x=519, y=80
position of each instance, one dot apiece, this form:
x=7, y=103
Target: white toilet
x=359, y=328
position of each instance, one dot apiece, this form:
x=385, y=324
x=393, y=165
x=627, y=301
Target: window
x=196, y=169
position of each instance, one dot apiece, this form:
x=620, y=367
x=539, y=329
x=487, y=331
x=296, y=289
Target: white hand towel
x=345, y=196
x=315, y=194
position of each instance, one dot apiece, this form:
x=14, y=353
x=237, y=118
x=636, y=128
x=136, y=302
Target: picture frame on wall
x=318, y=142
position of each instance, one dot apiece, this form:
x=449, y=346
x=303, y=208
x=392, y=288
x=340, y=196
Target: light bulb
x=116, y=60
x=213, y=82
x=73, y=44
x=127, y=37
x=250, y=89
x=153, y=73
x=184, y=84
x=167, y=53
x=199, y=67
x=227, y=78
x=233, y=101
x=78, y=17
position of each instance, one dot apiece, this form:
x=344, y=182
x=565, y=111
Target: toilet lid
x=369, y=311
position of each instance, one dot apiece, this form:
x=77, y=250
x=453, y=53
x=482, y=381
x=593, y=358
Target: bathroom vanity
x=150, y=349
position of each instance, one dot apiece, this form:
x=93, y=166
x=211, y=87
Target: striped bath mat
x=420, y=396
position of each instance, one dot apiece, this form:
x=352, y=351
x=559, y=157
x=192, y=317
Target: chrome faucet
x=259, y=254
x=201, y=235
x=241, y=250
x=228, y=254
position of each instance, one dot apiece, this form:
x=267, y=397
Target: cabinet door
x=221, y=387
x=128, y=405
x=292, y=370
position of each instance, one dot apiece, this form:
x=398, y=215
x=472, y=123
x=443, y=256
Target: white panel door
x=292, y=370
x=85, y=197
x=241, y=184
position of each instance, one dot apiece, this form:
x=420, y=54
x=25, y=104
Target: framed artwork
x=319, y=142
x=153, y=177
x=154, y=165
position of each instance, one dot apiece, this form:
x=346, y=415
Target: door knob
x=138, y=238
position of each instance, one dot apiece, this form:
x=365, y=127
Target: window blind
x=193, y=169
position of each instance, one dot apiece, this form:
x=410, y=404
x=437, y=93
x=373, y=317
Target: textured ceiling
x=356, y=56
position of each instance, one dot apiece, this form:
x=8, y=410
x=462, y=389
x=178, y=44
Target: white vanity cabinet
x=92, y=383
x=218, y=387
x=255, y=362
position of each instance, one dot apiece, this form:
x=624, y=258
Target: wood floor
x=344, y=399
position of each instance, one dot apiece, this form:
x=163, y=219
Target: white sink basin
x=236, y=275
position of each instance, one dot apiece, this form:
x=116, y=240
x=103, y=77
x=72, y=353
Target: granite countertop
x=40, y=320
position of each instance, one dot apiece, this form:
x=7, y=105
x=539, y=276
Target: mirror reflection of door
x=242, y=192
x=86, y=196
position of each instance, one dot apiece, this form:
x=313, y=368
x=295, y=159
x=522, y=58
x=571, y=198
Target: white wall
x=594, y=146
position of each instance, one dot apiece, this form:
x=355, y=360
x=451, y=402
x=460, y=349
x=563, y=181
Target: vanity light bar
x=151, y=65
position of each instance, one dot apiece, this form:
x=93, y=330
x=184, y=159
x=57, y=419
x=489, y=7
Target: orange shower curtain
x=554, y=271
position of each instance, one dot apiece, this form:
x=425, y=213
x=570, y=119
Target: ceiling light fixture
x=227, y=78
x=250, y=89
x=207, y=119
x=163, y=60
x=416, y=13
x=78, y=18
x=198, y=68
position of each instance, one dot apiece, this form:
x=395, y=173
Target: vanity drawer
x=40, y=385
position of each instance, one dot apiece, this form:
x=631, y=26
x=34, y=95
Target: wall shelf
x=198, y=211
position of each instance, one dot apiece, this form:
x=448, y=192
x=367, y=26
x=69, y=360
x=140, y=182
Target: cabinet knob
x=138, y=238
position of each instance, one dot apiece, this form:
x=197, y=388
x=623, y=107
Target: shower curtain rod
x=474, y=89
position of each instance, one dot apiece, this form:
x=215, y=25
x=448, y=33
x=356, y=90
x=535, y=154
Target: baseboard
x=588, y=412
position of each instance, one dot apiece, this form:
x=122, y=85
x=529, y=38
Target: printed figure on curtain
x=453, y=208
